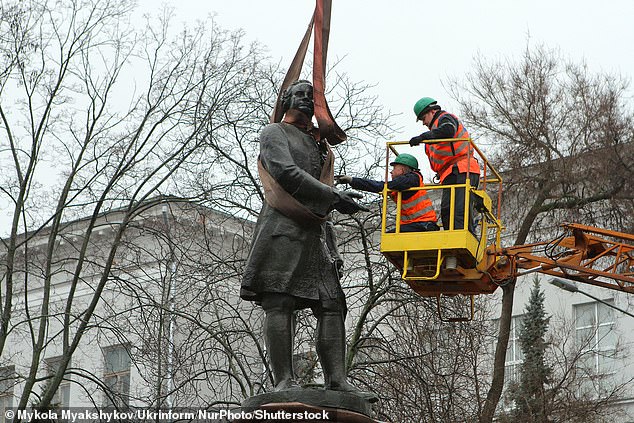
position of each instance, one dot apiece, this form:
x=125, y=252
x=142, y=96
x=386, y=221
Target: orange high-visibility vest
x=417, y=208
x=444, y=155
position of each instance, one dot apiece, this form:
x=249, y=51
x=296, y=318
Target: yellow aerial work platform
x=453, y=261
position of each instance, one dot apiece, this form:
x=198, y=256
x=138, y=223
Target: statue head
x=299, y=96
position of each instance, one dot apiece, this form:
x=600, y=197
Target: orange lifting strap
x=320, y=22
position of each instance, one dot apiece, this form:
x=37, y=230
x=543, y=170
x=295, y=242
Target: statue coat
x=288, y=257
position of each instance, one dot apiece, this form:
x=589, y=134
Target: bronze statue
x=293, y=262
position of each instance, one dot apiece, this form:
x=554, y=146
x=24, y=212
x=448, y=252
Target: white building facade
x=162, y=330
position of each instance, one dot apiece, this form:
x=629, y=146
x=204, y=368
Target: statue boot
x=278, y=334
x=331, y=348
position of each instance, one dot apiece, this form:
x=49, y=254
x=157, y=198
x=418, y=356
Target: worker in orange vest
x=417, y=211
x=453, y=162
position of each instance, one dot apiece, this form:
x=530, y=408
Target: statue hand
x=346, y=204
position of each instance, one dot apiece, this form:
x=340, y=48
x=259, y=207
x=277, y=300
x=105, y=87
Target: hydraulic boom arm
x=584, y=253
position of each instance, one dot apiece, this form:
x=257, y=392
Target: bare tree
x=189, y=125
x=98, y=120
x=96, y=117
x=564, y=138
x=422, y=368
x=195, y=343
x=220, y=344
x=578, y=392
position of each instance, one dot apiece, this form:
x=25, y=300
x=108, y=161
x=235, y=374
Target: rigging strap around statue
x=320, y=23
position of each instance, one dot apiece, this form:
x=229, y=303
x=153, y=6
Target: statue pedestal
x=306, y=405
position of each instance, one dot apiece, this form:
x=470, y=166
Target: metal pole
x=570, y=286
x=171, y=270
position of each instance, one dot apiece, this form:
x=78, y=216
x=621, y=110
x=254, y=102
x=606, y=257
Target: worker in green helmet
x=417, y=212
x=453, y=162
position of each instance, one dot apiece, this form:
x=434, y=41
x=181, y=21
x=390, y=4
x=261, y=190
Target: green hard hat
x=407, y=160
x=423, y=105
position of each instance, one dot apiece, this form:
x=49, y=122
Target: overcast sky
x=408, y=48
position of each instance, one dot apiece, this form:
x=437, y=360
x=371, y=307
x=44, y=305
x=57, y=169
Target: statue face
x=301, y=98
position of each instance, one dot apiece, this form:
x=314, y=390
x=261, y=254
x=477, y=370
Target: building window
x=514, y=355
x=7, y=381
x=62, y=395
x=595, y=335
x=116, y=376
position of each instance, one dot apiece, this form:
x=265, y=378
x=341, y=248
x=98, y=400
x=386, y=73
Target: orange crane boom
x=585, y=254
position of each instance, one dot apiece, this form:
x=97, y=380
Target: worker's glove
x=419, y=138
x=343, y=179
x=345, y=202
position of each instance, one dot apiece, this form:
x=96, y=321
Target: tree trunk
x=497, y=383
